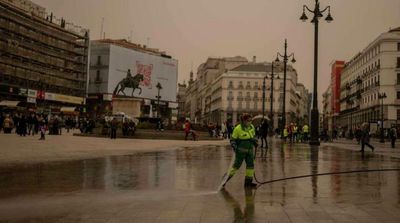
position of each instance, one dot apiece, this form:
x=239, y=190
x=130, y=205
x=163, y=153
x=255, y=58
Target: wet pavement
x=180, y=186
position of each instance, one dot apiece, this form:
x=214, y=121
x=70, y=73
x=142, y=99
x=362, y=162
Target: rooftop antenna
x=102, y=27
x=148, y=40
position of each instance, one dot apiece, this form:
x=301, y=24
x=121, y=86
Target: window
x=398, y=46
x=247, y=104
x=398, y=114
x=398, y=62
x=248, y=85
x=230, y=96
x=98, y=76
x=255, y=100
x=398, y=95
x=230, y=84
x=398, y=78
x=256, y=85
x=98, y=60
x=240, y=96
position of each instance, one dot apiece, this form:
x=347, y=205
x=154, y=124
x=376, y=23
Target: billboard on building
x=155, y=69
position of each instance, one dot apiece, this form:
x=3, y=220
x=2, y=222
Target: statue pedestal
x=130, y=106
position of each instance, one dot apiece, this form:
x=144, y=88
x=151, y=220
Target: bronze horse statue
x=129, y=82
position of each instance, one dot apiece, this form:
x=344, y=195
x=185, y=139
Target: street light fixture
x=272, y=76
x=317, y=14
x=285, y=58
x=382, y=96
x=159, y=87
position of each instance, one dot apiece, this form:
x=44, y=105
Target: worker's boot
x=248, y=182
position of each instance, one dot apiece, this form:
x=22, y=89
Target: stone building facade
x=373, y=71
x=239, y=89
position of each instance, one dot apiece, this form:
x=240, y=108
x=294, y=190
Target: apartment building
x=43, y=59
x=370, y=74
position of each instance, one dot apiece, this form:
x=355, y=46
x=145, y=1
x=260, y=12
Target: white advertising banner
x=155, y=69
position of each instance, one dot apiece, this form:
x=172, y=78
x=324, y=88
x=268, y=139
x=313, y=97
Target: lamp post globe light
x=317, y=13
x=285, y=58
x=271, y=76
x=382, y=96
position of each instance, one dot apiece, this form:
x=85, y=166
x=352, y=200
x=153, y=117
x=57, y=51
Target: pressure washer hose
x=320, y=174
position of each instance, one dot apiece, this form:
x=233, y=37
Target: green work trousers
x=248, y=156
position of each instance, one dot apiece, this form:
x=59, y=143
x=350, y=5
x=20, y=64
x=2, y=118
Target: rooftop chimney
x=254, y=59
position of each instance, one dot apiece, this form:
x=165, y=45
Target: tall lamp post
x=159, y=87
x=317, y=14
x=285, y=58
x=272, y=77
x=382, y=96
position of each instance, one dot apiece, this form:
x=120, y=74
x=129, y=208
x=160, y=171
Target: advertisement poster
x=133, y=73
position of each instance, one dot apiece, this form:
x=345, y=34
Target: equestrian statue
x=129, y=82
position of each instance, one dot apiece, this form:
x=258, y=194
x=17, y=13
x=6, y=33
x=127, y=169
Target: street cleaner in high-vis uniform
x=243, y=141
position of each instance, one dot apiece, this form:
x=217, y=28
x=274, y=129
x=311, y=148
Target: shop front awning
x=67, y=109
x=11, y=104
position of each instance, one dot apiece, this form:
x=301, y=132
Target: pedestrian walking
x=393, y=136
x=243, y=142
x=264, y=133
x=22, y=125
x=223, y=130
x=365, y=137
x=42, y=127
x=305, y=132
x=114, y=126
x=8, y=124
x=229, y=129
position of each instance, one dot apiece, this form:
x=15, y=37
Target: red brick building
x=337, y=67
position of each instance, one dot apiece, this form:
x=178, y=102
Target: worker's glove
x=234, y=145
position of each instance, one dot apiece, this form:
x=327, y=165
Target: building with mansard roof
x=370, y=73
x=240, y=89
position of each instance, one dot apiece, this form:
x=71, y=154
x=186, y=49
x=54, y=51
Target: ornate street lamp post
x=382, y=96
x=317, y=14
x=285, y=60
x=159, y=87
x=272, y=77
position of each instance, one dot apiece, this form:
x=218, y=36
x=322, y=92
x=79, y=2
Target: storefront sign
x=155, y=102
x=49, y=96
x=63, y=98
x=23, y=92
x=69, y=99
x=31, y=100
x=32, y=93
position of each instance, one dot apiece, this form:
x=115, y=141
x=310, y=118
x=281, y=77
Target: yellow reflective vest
x=244, y=136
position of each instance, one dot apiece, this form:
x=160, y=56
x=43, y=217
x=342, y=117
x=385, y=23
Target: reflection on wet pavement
x=180, y=186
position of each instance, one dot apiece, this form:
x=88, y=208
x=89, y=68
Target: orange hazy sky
x=192, y=30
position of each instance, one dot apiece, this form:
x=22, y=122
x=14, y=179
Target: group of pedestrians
x=32, y=124
x=295, y=133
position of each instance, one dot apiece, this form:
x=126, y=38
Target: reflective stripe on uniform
x=249, y=172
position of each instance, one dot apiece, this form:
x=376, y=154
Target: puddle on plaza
x=199, y=171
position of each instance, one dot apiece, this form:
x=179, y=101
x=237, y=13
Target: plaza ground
x=78, y=179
